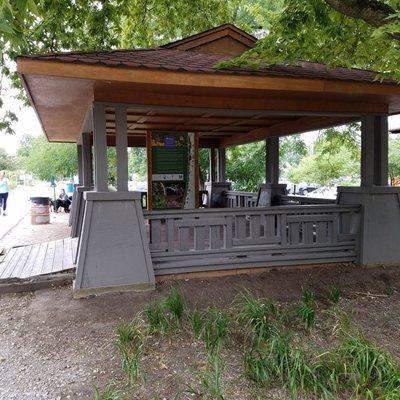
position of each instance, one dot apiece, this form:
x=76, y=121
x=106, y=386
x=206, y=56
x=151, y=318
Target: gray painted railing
x=240, y=199
x=305, y=200
x=200, y=240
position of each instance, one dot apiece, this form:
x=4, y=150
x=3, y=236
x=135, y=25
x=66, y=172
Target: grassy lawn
x=253, y=348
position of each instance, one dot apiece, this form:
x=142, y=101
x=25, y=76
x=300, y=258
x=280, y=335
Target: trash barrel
x=40, y=210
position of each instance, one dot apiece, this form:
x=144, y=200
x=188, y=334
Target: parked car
x=323, y=192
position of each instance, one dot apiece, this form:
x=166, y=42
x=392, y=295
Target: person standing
x=4, y=189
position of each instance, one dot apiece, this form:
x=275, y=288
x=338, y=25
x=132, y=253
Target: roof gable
x=225, y=39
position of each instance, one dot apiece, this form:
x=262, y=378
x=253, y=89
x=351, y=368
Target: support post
x=380, y=235
x=100, y=148
x=79, y=149
x=221, y=161
x=272, y=160
x=121, y=148
x=113, y=249
x=374, y=151
x=87, y=160
x=213, y=165
x=270, y=192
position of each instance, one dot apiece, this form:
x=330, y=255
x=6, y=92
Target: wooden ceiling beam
x=246, y=107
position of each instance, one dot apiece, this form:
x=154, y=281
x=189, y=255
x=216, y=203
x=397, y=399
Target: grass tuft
x=333, y=295
x=157, y=318
x=130, y=342
x=307, y=308
x=110, y=392
x=256, y=315
x=216, y=329
x=196, y=322
x=175, y=304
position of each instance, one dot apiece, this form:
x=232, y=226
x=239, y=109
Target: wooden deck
x=38, y=259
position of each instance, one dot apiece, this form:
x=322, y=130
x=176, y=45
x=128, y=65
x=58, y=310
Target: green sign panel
x=170, y=154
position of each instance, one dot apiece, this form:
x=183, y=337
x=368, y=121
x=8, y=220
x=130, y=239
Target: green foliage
x=242, y=159
x=336, y=156
x=334, y=294
x=210, y=379
x=7, y=162
x=130, y=342
x=110, y=392
x=216, y=329
x=370, y=371
x=291, y=150
x=307, y=308
x=196, y=322
x=44, y=159
x=274, y=352
x=257, y=316
x=137, y=163
x=394, y=156
x=157, y=317
x=166, y=314
x=175, y=304
x=314, y=31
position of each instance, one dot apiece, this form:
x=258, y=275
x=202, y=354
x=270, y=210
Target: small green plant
x=110, y=392
x=175, y=304
x=333, y=295
x=157, y=317
x=196, y=322
x=130, y=342
x=210, y=380
x=390, y=291
x=307, y=308
x=216, y=329
x=256, y=314
x=370, y=371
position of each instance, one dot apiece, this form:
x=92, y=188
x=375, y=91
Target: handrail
x=306, y=200
x=294, y=209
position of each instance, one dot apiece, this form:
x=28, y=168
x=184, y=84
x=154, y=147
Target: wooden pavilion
x=122, y=97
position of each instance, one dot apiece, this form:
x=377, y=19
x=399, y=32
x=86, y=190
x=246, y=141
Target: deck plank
x=41, y=258
x=58, y=255
x=20, y=266
x=38, y=264
x=49, y=258
x=31, y=261
x=6, y=262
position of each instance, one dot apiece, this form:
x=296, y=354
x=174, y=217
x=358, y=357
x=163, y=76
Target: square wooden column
x=100, y=148
x=374, y=150
x=87, y=160
x=213, y=165
x=221, y=162
x=121, y=148
x=272, y=160
x=79, y=149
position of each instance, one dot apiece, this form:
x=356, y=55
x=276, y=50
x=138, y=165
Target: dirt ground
x=55, y=347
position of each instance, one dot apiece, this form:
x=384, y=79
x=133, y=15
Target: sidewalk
x=18, y=208
x=16, y=229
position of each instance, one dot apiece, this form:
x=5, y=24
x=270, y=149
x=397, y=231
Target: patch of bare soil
x=55, y=347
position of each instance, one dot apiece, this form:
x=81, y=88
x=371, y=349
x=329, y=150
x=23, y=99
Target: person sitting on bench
x=62, y=201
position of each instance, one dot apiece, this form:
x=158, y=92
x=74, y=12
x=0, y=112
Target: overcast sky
x=28, y=123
